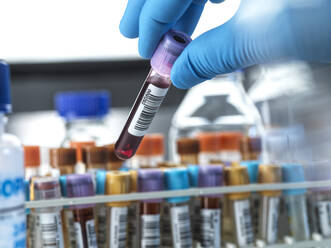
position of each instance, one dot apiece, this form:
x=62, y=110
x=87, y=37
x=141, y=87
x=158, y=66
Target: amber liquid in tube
x=84, y=227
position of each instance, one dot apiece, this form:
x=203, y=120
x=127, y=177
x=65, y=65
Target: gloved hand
x=261, y=31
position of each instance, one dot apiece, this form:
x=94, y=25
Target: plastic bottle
x=210, y=213
x=209, y=148
x=270, y=204
x=150, y=180
x=239, y=230
x=63, y=159
x=82, y=186
x=80, y=167
x=229, y=146
x=151, y=94
x=188, y=150
x=12, y=212
x=31, y=161
x=133, y=213
x=48, y=229
x=176, y=231
x=84, y=114
x=114, y=163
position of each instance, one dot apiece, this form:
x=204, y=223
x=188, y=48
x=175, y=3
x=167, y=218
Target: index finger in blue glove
x=129, y=25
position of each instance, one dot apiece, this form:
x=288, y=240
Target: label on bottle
x=210, y=227
x=49, y=230
x=118, y=228
x=101, y=225
x=91, y=235
x=181, y=226
x=147, y=109
x=150, y=230
x=324, y=217
x=243, y=222
x=273, y=217
x=78, y=235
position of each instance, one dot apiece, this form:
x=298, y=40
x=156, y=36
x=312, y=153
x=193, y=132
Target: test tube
x=239, y=231
x=45, y=167
x=150, y=180
x=270, y=203
x=114, y=163
x=151, y=94
x=31, y=161
x=81, y=185
x=176, y=226
x=229, y=146
x=210, y=213
x=188, y=150
x=209, y=148
x=63, y=159
x=133, y=213
x=251, y=148
x=117, y=182
x=48, y=229
x=295, y=201
x=80, y=166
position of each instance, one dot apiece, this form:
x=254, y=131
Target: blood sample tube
x=188, y=150
x=133, y=213
x=81, y=185
x=295, y=202
x=239, y=230
x=114, y=163
x=176, y=226
x=117, y=182
x=151, y=94
x=157, y=149
x=210, y=212
x=209, y=146
x=270, y=204
x=80, y=166
x=48, y=229
x=229, y=146
x=63, y=159
x=150, y=180
x=31, y=161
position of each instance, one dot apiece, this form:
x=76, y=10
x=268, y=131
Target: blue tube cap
x=63, y=185
x=252, y=169
x=193, y=173
x=101, y=182
x=83, y=104
x=5, y=99
x=293, y=173
x=176, y=179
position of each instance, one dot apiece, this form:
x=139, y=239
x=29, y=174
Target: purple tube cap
x=211, y=176
x=150, y=180
x=80, y=185
x=168, y=50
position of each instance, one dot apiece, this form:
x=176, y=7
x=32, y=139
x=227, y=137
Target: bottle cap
x=62, y=157
x=252, y=169
x=118, y=182
x=270, y=174
x=150, y=180
x=193, y=173
x=31, y=156
x=237, y=175
x=95, y=155
x=229, y=141
x=209, y=142
x=133, y=180
x=158, y=144
x=80, y=185
x=169, y=48
x=79, y=145
x=146, y=146
x=63, y=185
x=293, y=173
x=5, y=99
x=46, y=188
x=211, y=176
x=176, y=179
x=188, y=146
x=82, y=104
x=101, y=182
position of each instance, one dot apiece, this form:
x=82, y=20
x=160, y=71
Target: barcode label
x=147, y=109
x=181, y=227
x=210, y=227
x=91, y=235
x=49, y=230
x=243, y=222
x=150, y=228
x=324, y=217
x=78, y=235
x=118, y=228
x=273, y=216
x=133, y=226
x=101, y=225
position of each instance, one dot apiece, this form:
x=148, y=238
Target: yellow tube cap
x=118, y=182
x=237, y=175
x=270, y=174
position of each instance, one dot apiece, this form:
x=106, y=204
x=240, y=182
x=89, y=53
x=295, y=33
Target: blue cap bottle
x=5, y=99
x=293, y=173
x=177, y=179
x=252, y=169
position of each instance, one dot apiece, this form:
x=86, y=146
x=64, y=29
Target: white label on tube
x=324, y=217
x=91, y=235
x=49, y=229
x=150, y=230
x=118, y=228
x=243, y=222
x=272, y=232
x=147, y=109
x=210, y=227
x=78, y=235
x=181, y=226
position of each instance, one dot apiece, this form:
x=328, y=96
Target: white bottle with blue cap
x=12, y=212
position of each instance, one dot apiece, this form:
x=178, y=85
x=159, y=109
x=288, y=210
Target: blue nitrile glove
x=261, y=31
